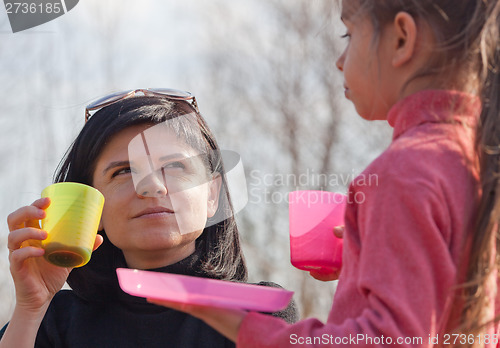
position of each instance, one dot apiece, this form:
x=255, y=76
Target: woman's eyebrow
x=114, y=165
x=174, y=156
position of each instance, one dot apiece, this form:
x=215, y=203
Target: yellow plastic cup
x=71, y=221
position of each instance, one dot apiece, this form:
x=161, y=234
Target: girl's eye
x=345, y=36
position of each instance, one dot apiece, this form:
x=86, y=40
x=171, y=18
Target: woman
x=167, y=211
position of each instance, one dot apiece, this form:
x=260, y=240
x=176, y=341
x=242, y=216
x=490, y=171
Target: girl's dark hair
x=219, y=245
x=467, y=36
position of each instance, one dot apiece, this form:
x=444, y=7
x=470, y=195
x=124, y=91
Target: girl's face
x=366, y=66
x=157, y=193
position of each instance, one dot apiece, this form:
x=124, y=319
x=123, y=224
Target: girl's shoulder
x=434, y=163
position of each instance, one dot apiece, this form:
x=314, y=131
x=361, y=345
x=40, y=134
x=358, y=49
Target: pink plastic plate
x=202, y=291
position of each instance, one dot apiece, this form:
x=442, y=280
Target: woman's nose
x=152, y=186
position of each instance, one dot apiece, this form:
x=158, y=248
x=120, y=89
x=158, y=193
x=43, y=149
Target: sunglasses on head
x=167, y=93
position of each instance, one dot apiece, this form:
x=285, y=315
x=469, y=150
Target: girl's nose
x=151, y=186
x=340, y=62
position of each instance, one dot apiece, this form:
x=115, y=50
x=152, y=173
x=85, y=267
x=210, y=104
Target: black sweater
x=95, y=318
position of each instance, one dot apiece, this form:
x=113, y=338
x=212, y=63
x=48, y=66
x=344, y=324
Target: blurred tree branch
x=279, y=75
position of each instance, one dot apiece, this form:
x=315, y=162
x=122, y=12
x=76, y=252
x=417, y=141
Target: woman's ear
x=405, y=39
x=101, y=226
x=213, y=195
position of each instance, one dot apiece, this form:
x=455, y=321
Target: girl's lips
x=346, y=91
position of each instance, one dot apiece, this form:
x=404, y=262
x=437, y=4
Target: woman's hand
x=36, y=280
x=338, y=231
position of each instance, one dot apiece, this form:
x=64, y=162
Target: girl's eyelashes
x=345, y=36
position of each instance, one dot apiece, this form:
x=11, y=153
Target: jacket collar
x=434, y=106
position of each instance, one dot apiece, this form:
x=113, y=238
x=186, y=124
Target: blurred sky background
x=263, y=72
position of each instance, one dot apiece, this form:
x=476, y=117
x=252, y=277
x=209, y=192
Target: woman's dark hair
x=218, y=246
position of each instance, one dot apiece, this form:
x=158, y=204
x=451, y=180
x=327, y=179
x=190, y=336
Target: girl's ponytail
x=484, y=264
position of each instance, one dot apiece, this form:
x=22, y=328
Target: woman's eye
x=174, y=165
x=122, y=171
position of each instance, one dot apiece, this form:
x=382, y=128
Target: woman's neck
x=148, y=259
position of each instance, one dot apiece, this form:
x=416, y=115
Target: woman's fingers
x=98, y=241
x=17, y=238
x=42, y=203
x=24, y=226
x=17, y=257
x=24, y=215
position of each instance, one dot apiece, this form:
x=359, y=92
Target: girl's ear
x=213, y=195
x=405, y=30
x=101, y=227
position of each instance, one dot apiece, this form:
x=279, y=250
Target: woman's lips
x=154, y=211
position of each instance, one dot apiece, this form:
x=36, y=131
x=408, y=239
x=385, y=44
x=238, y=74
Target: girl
x=420, y=258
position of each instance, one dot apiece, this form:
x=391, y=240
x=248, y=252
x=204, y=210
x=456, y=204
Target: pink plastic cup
x=313, y=215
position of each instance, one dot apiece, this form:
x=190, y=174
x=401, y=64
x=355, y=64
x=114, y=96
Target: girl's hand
x=36, y=280
x=226, y=321
x=338, y=231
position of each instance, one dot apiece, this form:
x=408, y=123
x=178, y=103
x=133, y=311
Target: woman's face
x=158, y=195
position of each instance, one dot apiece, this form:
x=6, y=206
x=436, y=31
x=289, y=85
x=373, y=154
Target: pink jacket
x=405, y=232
